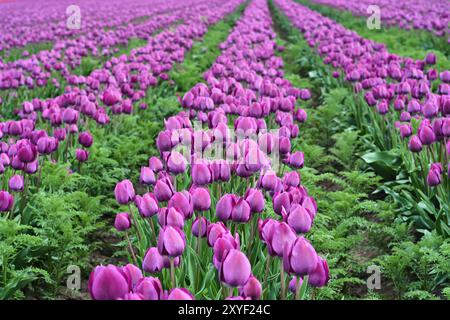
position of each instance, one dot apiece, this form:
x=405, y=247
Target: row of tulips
x=250, y=113
x=403, y=103
x=57, y=129
x=55, y=67
x=432, y=16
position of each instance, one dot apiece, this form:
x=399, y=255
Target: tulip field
x=224, y=150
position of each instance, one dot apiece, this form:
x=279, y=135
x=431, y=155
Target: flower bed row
x=409, y=107
x=228, y=176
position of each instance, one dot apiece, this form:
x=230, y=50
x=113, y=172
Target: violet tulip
x=235, y=269
x=122, y=221
x=171, y=241
x=124, y=192
x=108, y=283
x=300, y=258
x=153, y=261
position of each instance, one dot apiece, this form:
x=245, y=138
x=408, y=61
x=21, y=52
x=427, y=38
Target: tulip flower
x=295, y=284
x=235, y=269
x=225, y=206
x=180, y=294
x=147, y=205
x=214, y=231
x=252, y=288
x=124, y=192
x=414, y=144
x=108, y=283
x=85, y=139
x=199, y=227
x=155, y=164
x=170, y=217
x=296, y=159
x=320, y=276
x=16, y=183
x=255, y=199
x=201, y=199
x=298, y=218
x=6, y=201
x=153, y=261
x=122, y=221
x=82, y=155
x=163, y=189
x=149, y=288
x=300, y=258
x=147, y=176
x=183, y=202
x=171, y=241
x=241, y=211
x=201, y=174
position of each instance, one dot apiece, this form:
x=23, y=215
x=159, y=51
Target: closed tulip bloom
x=149, y=288
x=199, y=227
x=82, y=155
x=124, y=192
x=108, y=283
x=163, y=189
x=299, y=219
x=155, y=164
x=164, y=141
x=147, y=176
x=405, y=130
x=170, y=217
x=223, y=244
x=225, y=206
x=280, y=201
x=296, y=159
x=147, y=205
x=252, y=288
x=16, y=183
x=26, y=152
x=214, y=231
x=6, y=201
x=201, y=174
x=265, y=229
x=430, y=59
x=434, y=175
x=85, y=139
x=241, y=211
x=291, y=179
x=183, y=202
x=255, y=199
x=133, y=273
x=70, y=116
x=282, y=235
x=300, y=258
x=426, y=134
x=122, y=221
x=201, y=199
x=171, y=242
x=268, y=180
x=414, y=144
x=176, y=163
x=180, y=294
x=153, y=261
x=301, y=115
x=321, y=274
x=235, y=269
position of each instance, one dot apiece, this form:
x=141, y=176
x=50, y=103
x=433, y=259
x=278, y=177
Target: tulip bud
x=201, y=174
x=147, y=176
x=122, y=221
x=149, y=288
x=321, y=274
x=153, y=261
x=82, y=155
x=180, y=294
x=124, y=192
x=85, y=139
x=300, y=258
x=171, y=241
x=255, y=199
x=16, y=183
x=296, y=159
x=201, y=199
x=293, y=285
x=241, y=211
x=6, y=201
x=147, y=205
x=235, y=269
x=225, y=206
x=414, y=144
x=183, y=202
x=199, y=227
x=163, y=189
x=108, y=283
x=155, y=164
x=299, y=219
x=252, y=288
x=176, y=163
x=170, y=217
x=214, y=231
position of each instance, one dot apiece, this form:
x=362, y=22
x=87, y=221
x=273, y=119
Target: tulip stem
x=152, y=226
x=283, y=294
x=135, y=223
x=266, y=274
x=131, y=248
x=297, y=288
x=172, y=272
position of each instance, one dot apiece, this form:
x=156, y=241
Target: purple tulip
x=82, y=155
x=252, y=288
x=170, y=217
x=124, y=192
x=321, y=274
x=163, y=189
x=298, y=218
x=281, y=235
x=16, y=183
x=176, y=163
x=201, y=199
x=122, y=221
x=108, y=283
x=147, y=176
x=183, y=202
x=26, y=152
x=180, y=294
x=155, y=164
x=241, y=211
x=414, y=144
x=430, y=59
x=201, y=174
x=255, y=199
x=235, y=269
x=6, y=201
x=153, y=261
x=147, y=205
x=300, y=257
x=293, y=284
x=199, y=227
x=171, y=241
x=426, y=134
x=434, y=175
x=85, y=139
x=214, y=231
x=296, y=159
x=149, y=288
x=225, y=206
